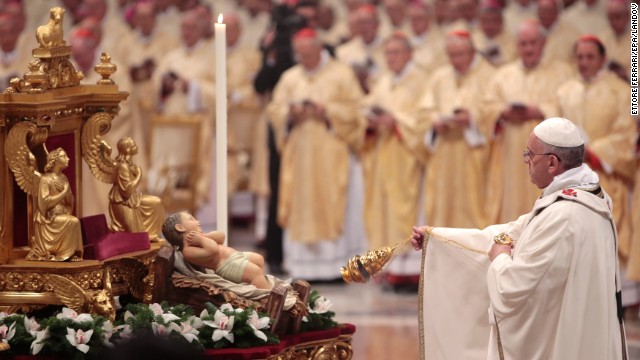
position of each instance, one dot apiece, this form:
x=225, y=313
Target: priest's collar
x=472, y=66
x=377, y=41
x=579, y=177
x=418, y=40
x=595, y=77
x=324, y=59
x=195, y=46
x=145, y=39
x=403, y=73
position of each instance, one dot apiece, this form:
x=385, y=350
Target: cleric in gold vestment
x=599, y=103
x=519, y=96
x=314, y=113
x=457, y=141
x=393, y=157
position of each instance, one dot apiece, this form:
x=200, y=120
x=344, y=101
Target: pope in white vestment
x=552, y=293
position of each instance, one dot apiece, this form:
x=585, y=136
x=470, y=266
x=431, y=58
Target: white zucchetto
x=559, y=132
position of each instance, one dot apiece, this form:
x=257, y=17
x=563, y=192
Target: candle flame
x=220, y=18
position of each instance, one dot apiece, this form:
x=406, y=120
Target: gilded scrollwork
x=23, y=308
x=319, y=350
x=34, y=282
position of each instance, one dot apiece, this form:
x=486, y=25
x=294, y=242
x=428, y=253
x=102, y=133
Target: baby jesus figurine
x=183, y=231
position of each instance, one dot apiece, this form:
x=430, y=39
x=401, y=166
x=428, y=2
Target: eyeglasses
x=528, y=155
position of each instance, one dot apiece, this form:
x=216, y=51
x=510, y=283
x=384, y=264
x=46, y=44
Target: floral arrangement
x=85, y=336
x=320, y=316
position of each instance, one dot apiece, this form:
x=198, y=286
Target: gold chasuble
x=456, y=174
x=601, y=108
x=315, y=153
x=247, y=134
x=510, y=192
x=393, y=160
x=193, y=65
x=618, y=48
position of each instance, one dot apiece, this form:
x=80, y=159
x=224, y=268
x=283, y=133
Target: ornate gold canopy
x=45, y=109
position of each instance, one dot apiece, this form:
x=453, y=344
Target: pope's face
x=189, y=223
x=538, y=163
x=589, y=59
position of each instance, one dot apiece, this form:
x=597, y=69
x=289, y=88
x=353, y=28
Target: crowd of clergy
x=392, y=112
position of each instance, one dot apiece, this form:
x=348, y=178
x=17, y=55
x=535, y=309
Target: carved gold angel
x=129, y=210
x=57, y=235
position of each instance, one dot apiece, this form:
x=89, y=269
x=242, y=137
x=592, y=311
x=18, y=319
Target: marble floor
x=387, y=322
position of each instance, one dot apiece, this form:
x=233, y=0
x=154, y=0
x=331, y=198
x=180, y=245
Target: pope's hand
x=417, y=239
x=497, y=249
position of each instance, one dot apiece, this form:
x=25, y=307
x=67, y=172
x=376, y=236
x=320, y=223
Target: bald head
x=9, y=33
x=531, y=40
x=307, y=51
x=191, y=28
x=144, y=18
x=368, y=23
x=548, y=11
x=460, y=52
x=396, y=10
x=234, y=28
x=420, y=17
x=618, y=14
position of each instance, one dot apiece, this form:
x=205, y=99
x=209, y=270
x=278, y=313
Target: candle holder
x=360, y=268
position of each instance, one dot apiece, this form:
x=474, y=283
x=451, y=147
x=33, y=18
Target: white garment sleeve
x=512, y=280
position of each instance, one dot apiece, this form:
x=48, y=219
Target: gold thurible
x=360, y=268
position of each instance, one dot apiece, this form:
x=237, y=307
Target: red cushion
x=121, y=243
x=94, y=228
x=100, y=244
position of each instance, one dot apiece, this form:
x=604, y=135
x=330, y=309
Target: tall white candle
x=222, y=219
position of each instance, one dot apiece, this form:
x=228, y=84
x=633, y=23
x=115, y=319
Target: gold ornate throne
x=46, y=109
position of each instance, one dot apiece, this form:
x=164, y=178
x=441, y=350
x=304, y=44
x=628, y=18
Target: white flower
x=125, y=332
x=3, y=315
x=188, y=331
x=257, y=323
x=195, y=322
x=204, y=313
x=31, y=325
x=108, y=332
x=6, y=333
x=223, y=325
x=79, y=339
x=128, y=315
x=38, y=343
x=161, y=330
x=71, y=314
x=226, y=307
x=304, y=319
x=157, y=310
x=169, y=317
x=321, y=305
